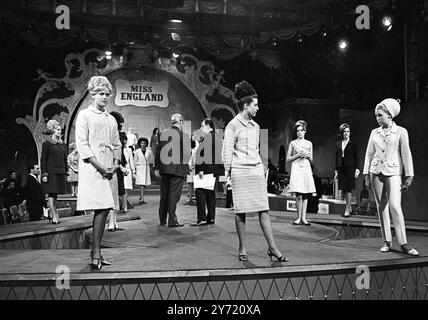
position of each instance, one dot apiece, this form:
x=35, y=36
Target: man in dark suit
x=171, y=165
x=208, y=161
x=33, y=194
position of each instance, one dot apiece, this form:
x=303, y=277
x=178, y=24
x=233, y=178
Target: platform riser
x=398, y=284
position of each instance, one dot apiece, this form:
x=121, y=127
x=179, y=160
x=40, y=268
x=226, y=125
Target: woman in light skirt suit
x=242, y=162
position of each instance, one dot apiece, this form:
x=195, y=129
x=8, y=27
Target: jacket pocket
x=393, y=164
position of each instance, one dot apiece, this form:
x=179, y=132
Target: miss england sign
x=141, y=93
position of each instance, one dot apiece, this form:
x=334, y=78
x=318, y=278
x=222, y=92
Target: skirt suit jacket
x=389, y=153
x=346, y=164
x=53, y=165
x=96, y=136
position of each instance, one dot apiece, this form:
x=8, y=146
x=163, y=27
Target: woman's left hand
x=357, y=173
x=407, y=183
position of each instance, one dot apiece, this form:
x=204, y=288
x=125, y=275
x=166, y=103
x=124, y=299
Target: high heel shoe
x=96, y=266
x=242, y=257
x=280, y=259
x=104, y=262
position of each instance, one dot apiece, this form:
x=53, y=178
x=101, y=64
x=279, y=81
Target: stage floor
x=145, y=247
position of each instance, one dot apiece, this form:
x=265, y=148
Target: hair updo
x=300, y=123
x=51, y=126
x=99, y=83
x=244, y=93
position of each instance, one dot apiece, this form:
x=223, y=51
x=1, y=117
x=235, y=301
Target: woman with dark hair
x=143, y=158
x=347, y=163
x=242, y=162
x=117, y=181
x=54, y=167
x=301, y=178
x=127, y=167
x=388, y=153
x=154, y=140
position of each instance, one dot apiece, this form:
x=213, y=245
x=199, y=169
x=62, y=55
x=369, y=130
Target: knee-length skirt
x=301, y=179
x=55, y=184
x=346, y=178
x=249, y=190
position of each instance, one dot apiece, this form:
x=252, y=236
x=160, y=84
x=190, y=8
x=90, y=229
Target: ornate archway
x=59, y=98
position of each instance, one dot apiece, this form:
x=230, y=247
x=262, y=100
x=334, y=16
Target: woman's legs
x=98, y=226
x=348, y=196
x=381, y=199
x=125, y=201
x=240, y=220
x=52, y=207
x=304, y=207
x=142, y=189
x=112, y=221
x=393, y=186
x=266, y=226
x=299, y=205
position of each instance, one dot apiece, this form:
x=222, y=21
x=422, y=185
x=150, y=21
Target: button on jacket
x=389, y=153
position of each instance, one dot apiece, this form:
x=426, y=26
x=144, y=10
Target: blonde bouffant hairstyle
x=98, y=83
x=51, y=126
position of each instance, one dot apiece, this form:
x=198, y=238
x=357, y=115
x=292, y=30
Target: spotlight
x=343, y=45
x=175, y=36
x=299, y=38
x=175, y=55
x=176, y=20
x=387, y=23
x=108, y=52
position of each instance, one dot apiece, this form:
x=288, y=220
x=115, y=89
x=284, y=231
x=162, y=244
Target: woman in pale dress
x=127, y=168
x=97, y=141
x=73, y=168
x=301, y=178
x=242, y=162
x=143, y=158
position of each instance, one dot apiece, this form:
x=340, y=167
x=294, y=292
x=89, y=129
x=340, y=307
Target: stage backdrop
x=146, y=99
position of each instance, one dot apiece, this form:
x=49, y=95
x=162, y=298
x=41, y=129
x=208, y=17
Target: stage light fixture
x=175, y=55
x=299, y=38
x=387, y=23
x=176, y=21
x=175, y=36
x=108, y=51
x=343, y=45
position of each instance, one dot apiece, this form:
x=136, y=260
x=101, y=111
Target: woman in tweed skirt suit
x=242, y=162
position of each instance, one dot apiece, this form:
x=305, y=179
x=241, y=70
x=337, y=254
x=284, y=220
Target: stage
x=154, y=262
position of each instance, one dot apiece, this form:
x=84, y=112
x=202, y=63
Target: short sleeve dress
x=301, y=179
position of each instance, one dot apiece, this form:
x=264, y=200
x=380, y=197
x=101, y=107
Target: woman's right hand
x=45, y=179
x=368, y=182
x=335, y=174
